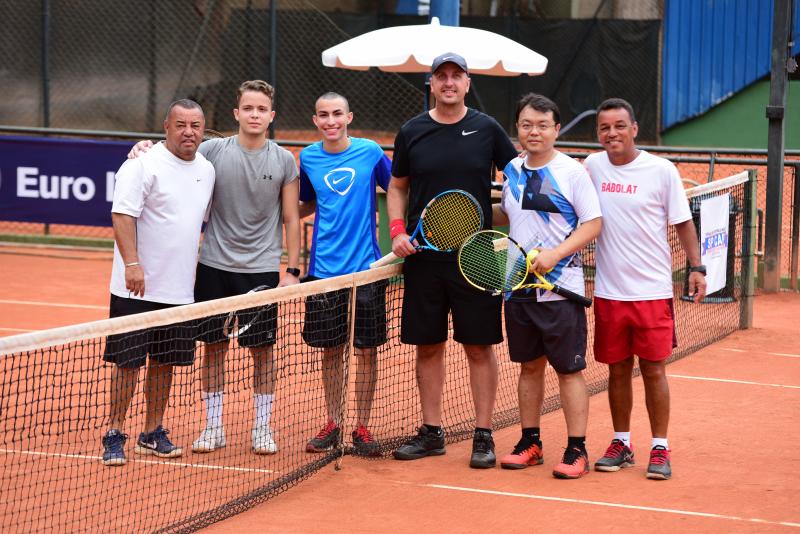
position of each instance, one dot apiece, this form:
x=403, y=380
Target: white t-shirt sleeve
x=131, y=188
x=677, y=203
x=585, y=201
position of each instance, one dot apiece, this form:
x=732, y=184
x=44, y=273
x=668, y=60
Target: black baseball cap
x=449, y=57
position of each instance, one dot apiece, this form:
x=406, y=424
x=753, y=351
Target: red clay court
x=733, y=430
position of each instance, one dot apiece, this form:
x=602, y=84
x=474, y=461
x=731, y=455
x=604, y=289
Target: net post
x=347, y=357
x=795, y=242
x=748, y=251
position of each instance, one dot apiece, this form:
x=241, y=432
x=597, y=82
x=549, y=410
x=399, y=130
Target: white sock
x=213, y=400
x=660, y=441
x=263, y=405
x=624, y=437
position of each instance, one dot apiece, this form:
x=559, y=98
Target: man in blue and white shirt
x=551, y=205
x=338, y=177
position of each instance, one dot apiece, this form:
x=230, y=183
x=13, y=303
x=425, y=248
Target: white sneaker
x=210, y=440
x=262, y=441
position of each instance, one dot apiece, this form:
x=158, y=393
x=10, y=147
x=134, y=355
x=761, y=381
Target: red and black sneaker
x=659, y=468
x=525, y=453
x=574, y=464
x=327, y=438
x=364, y=444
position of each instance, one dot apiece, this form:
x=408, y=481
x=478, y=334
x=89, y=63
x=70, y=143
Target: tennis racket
x=229, y=328
x=447, y=220
x=495, y=263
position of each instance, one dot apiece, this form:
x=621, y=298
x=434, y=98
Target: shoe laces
x=160, y=434
x=614, y=449
x=115, y=438
x=482, y=442
x=363, y=434
x=572, y=455
x=659, y=455
x=326, y=430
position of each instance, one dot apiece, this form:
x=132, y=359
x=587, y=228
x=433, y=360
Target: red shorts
x=645, y=328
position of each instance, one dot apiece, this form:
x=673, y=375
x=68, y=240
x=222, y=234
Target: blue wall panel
x=713, y=49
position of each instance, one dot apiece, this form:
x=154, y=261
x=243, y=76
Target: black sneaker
x=482, y=450
x=425, y=443
x=326, y=440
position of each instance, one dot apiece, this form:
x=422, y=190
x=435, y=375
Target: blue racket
x=447, y=220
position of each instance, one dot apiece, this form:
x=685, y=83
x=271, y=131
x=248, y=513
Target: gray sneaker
x=617, y=456
x=659, y=468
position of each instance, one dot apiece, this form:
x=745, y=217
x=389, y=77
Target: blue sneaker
x=157, y=442
x=114, y=448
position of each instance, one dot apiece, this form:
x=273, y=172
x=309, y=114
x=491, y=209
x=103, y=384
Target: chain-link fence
x=92, y=64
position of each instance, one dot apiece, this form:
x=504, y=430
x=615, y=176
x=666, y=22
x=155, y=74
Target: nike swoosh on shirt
x=335, y=181
x=465, y=133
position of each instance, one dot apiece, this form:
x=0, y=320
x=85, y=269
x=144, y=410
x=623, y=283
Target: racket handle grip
x=386, y=260
x=566, y=293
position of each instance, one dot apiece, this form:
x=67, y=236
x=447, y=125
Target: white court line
x=762, y=352
x=616, y=505
x=53, y=304
x=734, y=381
x=16, y=329
x=156, y=462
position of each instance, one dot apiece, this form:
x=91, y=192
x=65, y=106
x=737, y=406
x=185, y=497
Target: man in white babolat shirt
x=641, y=195
x=160, y=202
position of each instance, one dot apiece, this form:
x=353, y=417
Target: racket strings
x=450, y=220
x=490, y=260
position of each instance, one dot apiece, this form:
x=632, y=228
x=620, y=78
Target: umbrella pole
x=426, y=106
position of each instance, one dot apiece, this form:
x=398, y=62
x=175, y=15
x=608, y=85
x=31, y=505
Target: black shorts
x=326, y=321
x=556, y=329
x=434, y=289
x=170, y=344
x=212, y=283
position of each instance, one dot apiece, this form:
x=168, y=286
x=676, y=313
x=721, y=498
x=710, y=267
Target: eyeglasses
x=526, y=127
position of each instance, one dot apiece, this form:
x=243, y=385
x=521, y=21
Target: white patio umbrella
x=413, y=49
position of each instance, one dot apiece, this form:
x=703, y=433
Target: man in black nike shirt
x=450, y=147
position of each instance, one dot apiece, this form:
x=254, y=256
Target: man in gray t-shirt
x=256, y=189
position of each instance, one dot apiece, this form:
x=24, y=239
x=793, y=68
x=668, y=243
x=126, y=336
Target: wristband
x=396, y=227
x=132, y=264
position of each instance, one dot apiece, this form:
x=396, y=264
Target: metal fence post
x=748, y=251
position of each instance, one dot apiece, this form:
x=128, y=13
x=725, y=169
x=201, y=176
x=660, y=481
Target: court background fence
x=102, y=68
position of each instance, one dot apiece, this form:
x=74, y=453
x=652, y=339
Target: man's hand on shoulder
x=140, y=148
x=288, y=280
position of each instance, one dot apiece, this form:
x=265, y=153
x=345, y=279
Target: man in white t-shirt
x=160, y=202
x=255, y=202
x=550, y=205
x=640, y=195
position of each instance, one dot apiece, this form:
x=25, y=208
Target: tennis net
x=55, y=393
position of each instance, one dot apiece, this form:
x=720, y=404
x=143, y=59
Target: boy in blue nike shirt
x=338, y=177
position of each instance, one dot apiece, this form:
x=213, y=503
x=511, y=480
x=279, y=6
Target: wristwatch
x=294, y=271
x=698, y=269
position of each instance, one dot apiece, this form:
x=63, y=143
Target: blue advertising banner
x=58, y=181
